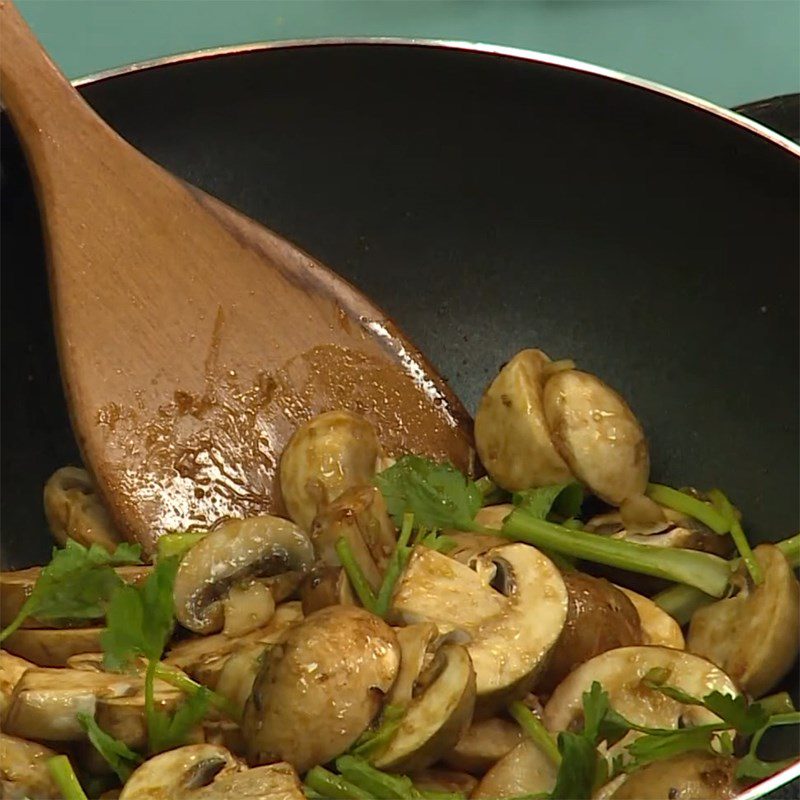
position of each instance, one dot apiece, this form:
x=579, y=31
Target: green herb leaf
x=535, y=730
x=736, y=712
x=564, y=499
x=750, y=765
x=117, y=754
x=178, y=543
x=576, y=775
x=76, y=584
x=655, y=747
x=62, y=773
x=166, y=731
x=438, y=495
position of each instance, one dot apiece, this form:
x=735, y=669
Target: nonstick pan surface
x=489, y=201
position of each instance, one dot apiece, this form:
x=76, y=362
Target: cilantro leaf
x=750, y=765
x=165, y=731
x=140, y=619
x=657, y=746
x=438, y=495
x=564, y=499
x=76, y=585
x=601, y=722
x=576, y=775
x=735, y=711
x=117, y=754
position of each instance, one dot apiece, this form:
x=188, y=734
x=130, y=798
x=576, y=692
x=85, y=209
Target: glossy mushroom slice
x=234, y=553
x=754, y=635
x=622, y=674
x=53, y=647
x=326, y=586
x=12, y=668
x=483, y=744
x=75, y=511
x=319, y=690
x=521, y=619
x=523, y=771
x=444, y=781
x=237, y=675
x=325, y=456
x=511, y=433
x=436, y=717
x=23, y=770
x=658, y=627
x=248, y=607
x=272, y=782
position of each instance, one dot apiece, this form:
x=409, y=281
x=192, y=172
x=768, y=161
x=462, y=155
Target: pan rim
x=792, y=771
x=520, y=53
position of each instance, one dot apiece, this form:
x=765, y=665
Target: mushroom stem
x=65, y=777
x=702, y=570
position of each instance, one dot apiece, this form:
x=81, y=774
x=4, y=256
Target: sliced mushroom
x=621, y=673
x=524, y=771
x=45, y=701
x=692, y=776
x=437, y=716
x=485, y=742
x=599, y=617
x=75, y=511
x=444, y=781
x=325, y=456
x=247, y=607
x=124, y=717
x=179, y=773
x=754, y=635
x=319, y=690
x=326, y=586
x=597, y=435
x=234, y=552
x=239, y=672
x=511, y=434
x=226, y=734
x=283, y=586
x=418, y=644
x=12, y=668
x=23, y=770
x=272, y=782
x=358, y=515
x=658, y=627
x=513, y=628
x=16, y=587
x=52, y=647
x=204, y=657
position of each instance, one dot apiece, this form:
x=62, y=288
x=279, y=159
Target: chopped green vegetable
x=563, y=499
x=177, y=544
x=723, y=506
x=779, y=703
x=438, y=495
x=751, y=766
x=703, y=570
x=691, y=506
x=117, y=754
x=437, y=541
x=76, y=585
x=577, y=773
x=356, y=575
x=655, y=747
x=397, y=563
x=535, y=730
x=376, y=783
x=374, y=740
x=65, y=778
x=183, y=682
x=491, y=493
x=165, y=730
x=333, y=787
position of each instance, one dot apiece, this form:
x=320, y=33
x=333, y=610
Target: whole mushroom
x=320, y=689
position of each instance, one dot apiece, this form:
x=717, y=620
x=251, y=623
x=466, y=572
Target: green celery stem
x=535, y=730
x=65, y=778
x=686, y=504
x=356, y=575
x=334, y=787
x=187, y=685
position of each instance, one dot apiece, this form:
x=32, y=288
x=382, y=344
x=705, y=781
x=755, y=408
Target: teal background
x=728, y=51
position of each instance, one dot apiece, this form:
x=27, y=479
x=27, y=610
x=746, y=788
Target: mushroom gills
x=523, y=771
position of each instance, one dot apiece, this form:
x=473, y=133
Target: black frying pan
x=488, y=201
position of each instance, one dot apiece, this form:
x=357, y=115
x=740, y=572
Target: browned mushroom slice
x=23, y=770
x=326, y=586
x=319, y=690
x=229, y=555
x=485, y=742
x=52, y=647
x=522, y=771
x=284, y=585
x=658, y=627
x=226, y=734
x=12, y=668
x=443, y=780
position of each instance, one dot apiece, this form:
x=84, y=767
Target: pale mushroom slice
x=326, y=586
x=203, y=657
x=443, y=780
x=53, y=647
x=75, y=511
x=436, y=717
x=325, y=456
x=596, y=433
x=691, y=776
x=234, y=553
x=754, y=635
x=248, y=607
x=45, y=701
x=320, y=689
x=12, y=668
x=483, y=744
x=418, y=644
x=224, y=733
x=23, y=770
x=272, y=782
x=180, y=773
x=523, y=771
x=236, y=678
x=360, y=517
x=622, y=674
x=658, y=627
x=513, y=628
x=512, y=436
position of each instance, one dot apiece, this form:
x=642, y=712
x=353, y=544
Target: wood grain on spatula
x=192, y=340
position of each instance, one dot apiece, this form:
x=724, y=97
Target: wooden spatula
x=192, y=340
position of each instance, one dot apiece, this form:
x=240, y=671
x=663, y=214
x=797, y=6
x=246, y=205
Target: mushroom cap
x=484, y=743
x=754, y=635
x=326, y=455
x=235, y=551
x=319, y=689
x=23, y=769
x=621, y=672
x=523, y=770
x=511, y=434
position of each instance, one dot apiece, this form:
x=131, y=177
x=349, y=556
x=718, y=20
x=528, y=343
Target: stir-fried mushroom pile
x=409, y=632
